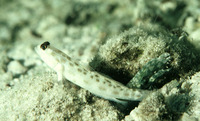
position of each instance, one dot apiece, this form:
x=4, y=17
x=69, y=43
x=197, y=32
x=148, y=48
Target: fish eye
x=44, y=45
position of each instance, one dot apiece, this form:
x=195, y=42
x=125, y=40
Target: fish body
x=90, y=80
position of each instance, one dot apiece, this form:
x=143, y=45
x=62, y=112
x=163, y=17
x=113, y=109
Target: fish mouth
x=36, y=49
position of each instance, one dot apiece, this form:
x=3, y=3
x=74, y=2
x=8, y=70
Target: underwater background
x=152, y=45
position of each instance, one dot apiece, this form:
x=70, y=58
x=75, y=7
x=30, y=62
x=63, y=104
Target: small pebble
x=16, y=68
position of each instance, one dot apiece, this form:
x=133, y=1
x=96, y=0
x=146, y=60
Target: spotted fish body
x=90, y=80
